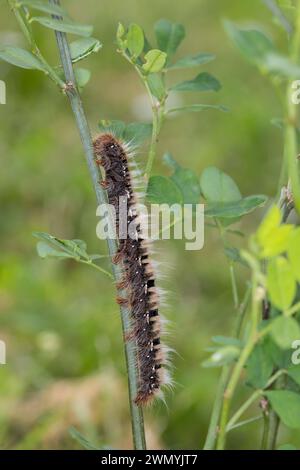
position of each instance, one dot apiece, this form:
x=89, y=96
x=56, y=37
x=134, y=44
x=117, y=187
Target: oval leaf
x=64, y=26
x=281, y=283
x=20, y=58
x=44, y=7
x=235, y=209
x=155, y=61
x=135, y=40
x=253, y=44
x=188, y=183
x=162, y=190
x=293, y=251
x=287, y=406
x=82, y=76
x=82, y=48
x=192, y=61
x=285, y=331
x=169, y=36
x=217, y=186
x=203, y=82
x=222, y=356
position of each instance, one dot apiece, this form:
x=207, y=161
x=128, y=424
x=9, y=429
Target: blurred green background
x=65, y=363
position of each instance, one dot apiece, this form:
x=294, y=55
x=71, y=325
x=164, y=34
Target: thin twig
x=85, y=134
x=278, y=13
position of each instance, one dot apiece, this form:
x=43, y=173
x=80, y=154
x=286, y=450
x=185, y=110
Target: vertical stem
x=215, y=415
x=234, y=286
x=234, y=378
x=290, y=148
x=158, y=113
x=265, y=434
x=85, y=134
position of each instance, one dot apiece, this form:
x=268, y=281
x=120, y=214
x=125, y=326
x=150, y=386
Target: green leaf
x=217, y=186
x=222, y=356
x=162, y=189
x=120, y=35
x=271, y=237
x=64, y=26
x=281, y=357
x=188, y=183
x=83, y=441
x=294, y=372
x=137, y=132
x=281, y=65
x=155, y=61
x=271, y=221
x=51, y=246
x=277, y=243
x=114, y=126
x=82, y=76
x=20, y=58
x=135, y=40
x=293, y=251
x=44, y=7
x=259, y=366
x=169, y=36
x=44, y=250
x=156, y=86
x=82, y=48
x=235, y=209
x=192, y=61
x=203, y=82
x=253, y=44
x=260, y=50
x=281, y=283
x=287, y=405
x=287, y=447
x=134, y=132
x=195, y=108
x=285, y=331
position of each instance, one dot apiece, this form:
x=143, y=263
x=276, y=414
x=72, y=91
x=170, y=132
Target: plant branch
x=158, y=110
x=86, y=138
x=215, y=415
x=236, y=372
x=290, y=141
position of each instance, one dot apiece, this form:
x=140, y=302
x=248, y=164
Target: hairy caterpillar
x=115, y=157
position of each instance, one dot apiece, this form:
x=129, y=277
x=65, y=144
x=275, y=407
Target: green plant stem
x=98, y=268
x=265, y=434
x=234, y=286
x=158, y=111
x=215, y=415
x=237, y=369
x=85, y=134
x=274, y=419
x=242, y=311
x=245, y=422
x=290, y=140
x=252, y=399
x=217, y=406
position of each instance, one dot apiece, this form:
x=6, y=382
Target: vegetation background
x=65, y=364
